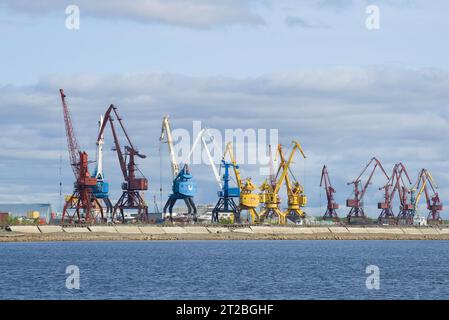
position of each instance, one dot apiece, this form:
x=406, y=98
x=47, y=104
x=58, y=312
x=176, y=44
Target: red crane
x=131, y=197
x=356, y=203
x=82, y=202
x=395, y=184
x=406, y=208
x=332, y=206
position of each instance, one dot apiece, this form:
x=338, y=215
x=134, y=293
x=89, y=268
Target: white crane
x=166, y=134
x=99, y=159
x=200, y=137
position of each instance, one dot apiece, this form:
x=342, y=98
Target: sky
x=311, y=69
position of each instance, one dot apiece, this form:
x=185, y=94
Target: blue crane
x=184, y=187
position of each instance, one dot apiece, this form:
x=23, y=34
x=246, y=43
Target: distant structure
x=22, y=210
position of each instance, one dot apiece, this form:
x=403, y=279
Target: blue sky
x=347, y=93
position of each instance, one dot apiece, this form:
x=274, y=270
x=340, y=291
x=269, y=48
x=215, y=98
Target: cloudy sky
x=310, y=69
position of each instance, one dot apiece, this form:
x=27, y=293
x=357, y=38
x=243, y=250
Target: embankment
x=197, y=232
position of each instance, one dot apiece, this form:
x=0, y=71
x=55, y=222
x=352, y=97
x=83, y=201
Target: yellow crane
x=433, y=202
x=269, y=195
x=295, y=192
x=248, y=201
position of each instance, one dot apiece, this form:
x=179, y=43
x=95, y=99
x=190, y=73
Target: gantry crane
x=394, y=184
x=248, y=201
x=134, y=180
x=296, y=199
x=101, y=190
x=184, y=187
x=403, y=187
x=226, y=195
x=433, y=201
x=356, y=203
x=82, y=203
x=332, y=206
x=269, y=196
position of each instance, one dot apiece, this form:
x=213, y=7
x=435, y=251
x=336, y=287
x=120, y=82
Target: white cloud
x=186, y=13
x=342, y=117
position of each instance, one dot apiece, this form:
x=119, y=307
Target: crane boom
x=229, y=151
x=166, y=134
x=368, y=181
x=285, y=165
x=72, y=143
x=108, y=118
x=356, y=203
x=200, y=137
x=100, y=144
x=332, y=206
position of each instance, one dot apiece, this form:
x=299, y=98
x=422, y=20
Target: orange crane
x=356, y=203
x=82, y=204
x=332, y=206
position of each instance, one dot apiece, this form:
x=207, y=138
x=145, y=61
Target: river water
x=226, y=270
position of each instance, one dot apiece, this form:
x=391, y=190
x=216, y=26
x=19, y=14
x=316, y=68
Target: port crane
x=134, y=180
x=101, y=190
x=269, y=196
x=405, y=215
x=332, y=206
x=248, y=201
x=227, y=193
x=243, y=190
x=183, y=187
x=356, y=203
x=395, y=184
x=296, y=199
x=82, y=204
x=433, y=201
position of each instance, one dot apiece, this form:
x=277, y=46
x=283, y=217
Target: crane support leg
x=387, y=216
x=225, y=205
x=192, y=204
x=405, y=217
x=131, y=200
x=356, y=214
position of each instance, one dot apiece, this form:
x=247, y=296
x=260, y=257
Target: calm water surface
x=225, y=270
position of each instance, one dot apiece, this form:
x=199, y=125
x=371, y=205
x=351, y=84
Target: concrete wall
x=102, y=229
x=151, y=230
x=50, y=229
x=25, y=229
x=76, y=229
x=198, y=229
x=128, y=229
